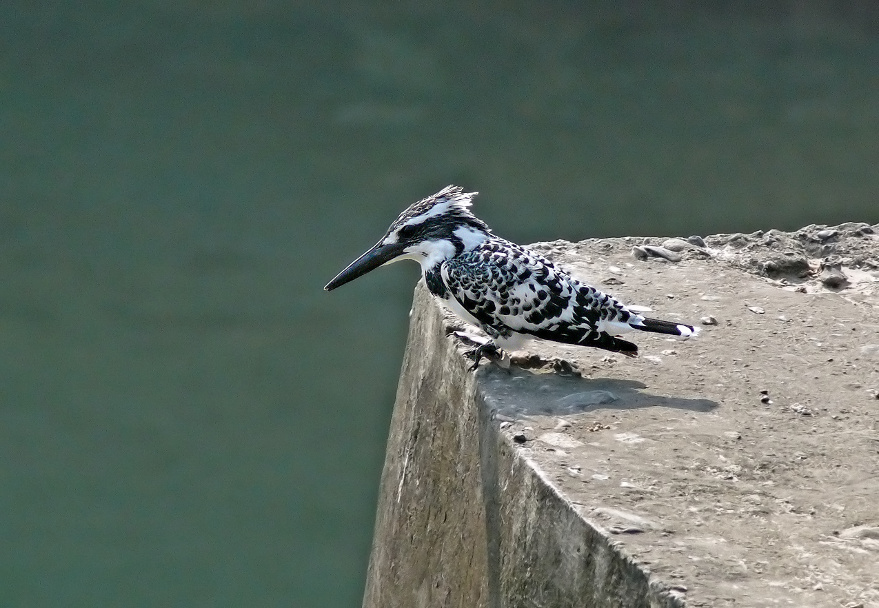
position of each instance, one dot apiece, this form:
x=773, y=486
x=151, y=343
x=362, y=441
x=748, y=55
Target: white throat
x=431, y=253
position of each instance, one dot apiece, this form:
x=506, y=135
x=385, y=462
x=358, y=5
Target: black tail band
x=662, y=327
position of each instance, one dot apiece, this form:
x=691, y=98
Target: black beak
x=372, y=259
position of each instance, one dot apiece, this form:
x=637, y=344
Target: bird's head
x=429, y=231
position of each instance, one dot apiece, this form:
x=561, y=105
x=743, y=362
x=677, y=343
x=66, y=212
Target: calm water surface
x=186, y=418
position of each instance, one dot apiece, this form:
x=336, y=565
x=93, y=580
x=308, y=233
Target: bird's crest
x=451, y=200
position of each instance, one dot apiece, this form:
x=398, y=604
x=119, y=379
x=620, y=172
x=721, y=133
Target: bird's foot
x=490, y=351
x=484, y=348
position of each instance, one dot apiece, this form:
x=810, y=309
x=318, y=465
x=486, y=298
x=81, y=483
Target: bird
x=510, y=292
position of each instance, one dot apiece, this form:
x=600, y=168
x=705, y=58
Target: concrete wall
x=463, y=518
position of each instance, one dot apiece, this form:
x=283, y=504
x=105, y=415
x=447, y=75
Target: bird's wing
x=511, y=289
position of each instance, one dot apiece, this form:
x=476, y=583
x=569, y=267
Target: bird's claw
x=488, y=350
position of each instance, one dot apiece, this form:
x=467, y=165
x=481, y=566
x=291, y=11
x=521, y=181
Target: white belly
x=514, y=342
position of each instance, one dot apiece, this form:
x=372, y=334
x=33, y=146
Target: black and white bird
x=508, y=291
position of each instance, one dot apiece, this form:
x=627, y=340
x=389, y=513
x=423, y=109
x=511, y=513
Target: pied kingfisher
x=504, y=289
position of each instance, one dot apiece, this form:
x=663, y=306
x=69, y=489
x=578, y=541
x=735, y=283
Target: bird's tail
x=608, y=342
x=676, y=330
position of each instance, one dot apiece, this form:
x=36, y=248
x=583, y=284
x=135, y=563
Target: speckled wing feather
x=508, y=288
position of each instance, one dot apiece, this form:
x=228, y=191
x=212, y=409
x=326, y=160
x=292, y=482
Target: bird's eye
x=407, y=232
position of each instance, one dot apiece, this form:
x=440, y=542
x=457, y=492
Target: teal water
x=186, y=418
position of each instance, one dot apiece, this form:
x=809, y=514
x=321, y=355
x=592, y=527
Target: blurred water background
x=186, y=418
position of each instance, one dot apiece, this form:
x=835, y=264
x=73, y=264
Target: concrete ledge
x=736, y=470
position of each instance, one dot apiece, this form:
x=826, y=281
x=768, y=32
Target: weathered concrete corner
x=430, y=538
x=464, y=518
x=739, y=469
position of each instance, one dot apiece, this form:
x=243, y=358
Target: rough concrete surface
x=737, y=469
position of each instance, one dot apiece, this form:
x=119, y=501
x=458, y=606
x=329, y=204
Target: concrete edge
x=465, y=518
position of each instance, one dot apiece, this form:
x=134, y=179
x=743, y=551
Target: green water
x=186, y=418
